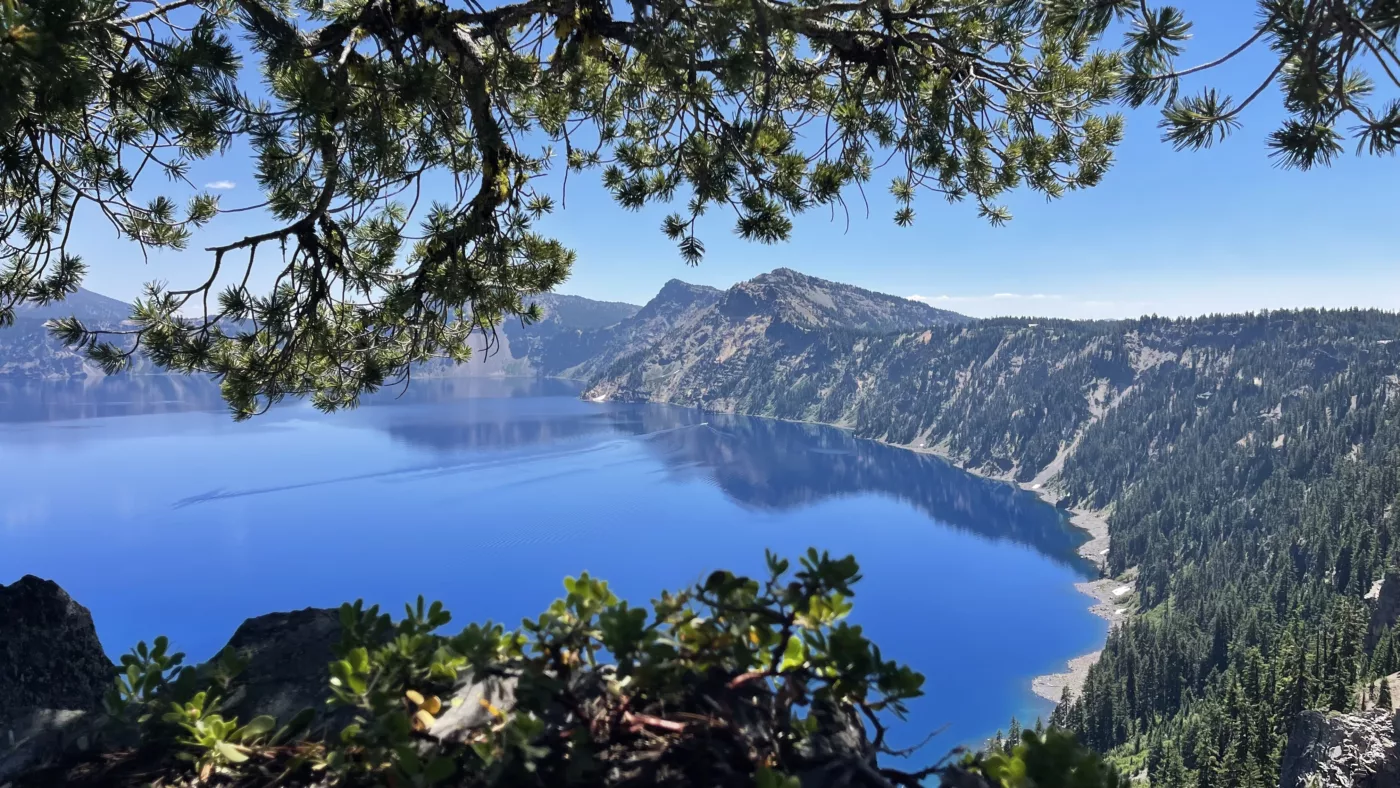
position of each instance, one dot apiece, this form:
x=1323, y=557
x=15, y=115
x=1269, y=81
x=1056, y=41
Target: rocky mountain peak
x=678, y=294
x=811, y=303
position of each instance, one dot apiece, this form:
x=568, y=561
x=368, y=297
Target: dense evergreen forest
x=1250, y=466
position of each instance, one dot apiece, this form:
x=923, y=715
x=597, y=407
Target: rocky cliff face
x=1342, y=751
x=806, y=302
x=1385, y=610
x=1003, y=397
x=715, y=354
x=584, y=355
x=49, y=653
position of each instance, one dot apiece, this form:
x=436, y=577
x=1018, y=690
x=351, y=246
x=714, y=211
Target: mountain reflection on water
x=759, y=463
x=483, y=493
x=769, y=464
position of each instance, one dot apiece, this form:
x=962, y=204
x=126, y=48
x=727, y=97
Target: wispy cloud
x=946, y=299
x=221, y=185
x=1037, y=304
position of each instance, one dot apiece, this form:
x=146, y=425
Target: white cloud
x=1035, y=304
x=945, y=299
x=222, y=185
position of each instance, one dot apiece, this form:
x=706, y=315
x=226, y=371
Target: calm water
x=161, y=515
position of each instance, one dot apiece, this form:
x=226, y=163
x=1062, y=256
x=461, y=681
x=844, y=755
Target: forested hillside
x=1250, y=466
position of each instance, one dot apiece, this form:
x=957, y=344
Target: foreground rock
x=55, y=673
x=41, y=738
x=1329, y=750
x=286, y=655
x=49, y=653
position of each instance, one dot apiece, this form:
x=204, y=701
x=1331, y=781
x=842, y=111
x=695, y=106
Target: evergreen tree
x=682, y=102
x=1013, y=734
x=1059, y=718
x=1383, y=700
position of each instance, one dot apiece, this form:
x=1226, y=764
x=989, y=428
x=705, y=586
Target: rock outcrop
x=53, y=674
x=42, y=737
x=50, y=657
x=285, y=657
x=1329, y=750
x=1386, y=607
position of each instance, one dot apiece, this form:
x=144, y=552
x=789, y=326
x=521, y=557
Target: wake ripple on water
x=420, y=472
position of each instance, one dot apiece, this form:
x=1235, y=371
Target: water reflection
x=27, y=399
x=781, y=465
x=758, y=463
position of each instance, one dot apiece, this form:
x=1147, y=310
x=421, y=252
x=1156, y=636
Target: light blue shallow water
x=158, y=513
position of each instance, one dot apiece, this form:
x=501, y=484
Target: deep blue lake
x=152, y=508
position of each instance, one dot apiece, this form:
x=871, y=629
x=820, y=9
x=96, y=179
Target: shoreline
x=1110, y=597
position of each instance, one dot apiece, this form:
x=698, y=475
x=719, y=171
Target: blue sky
x=1171, y=233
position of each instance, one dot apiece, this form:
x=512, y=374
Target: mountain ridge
x=577, y=338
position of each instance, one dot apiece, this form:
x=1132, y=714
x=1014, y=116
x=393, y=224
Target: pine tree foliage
x=1329, y=56
x=404, y=148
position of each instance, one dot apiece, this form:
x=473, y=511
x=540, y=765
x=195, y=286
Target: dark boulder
x=50, y=657
x=286, y=657
x=42, y=737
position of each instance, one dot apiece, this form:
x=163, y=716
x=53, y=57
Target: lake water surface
x=152, y=508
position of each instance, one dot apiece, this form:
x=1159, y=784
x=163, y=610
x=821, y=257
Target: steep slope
x=728, y=346
x=578, y=337
x=576, y=312
x=27, y=350
x=584, y=355
x=1002, y=396
x=1249, y=467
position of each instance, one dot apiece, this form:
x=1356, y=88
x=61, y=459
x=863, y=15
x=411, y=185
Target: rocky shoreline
x=1107, y=606
x=1110, y=599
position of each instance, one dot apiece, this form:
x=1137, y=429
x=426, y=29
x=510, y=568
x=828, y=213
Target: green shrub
x=734, y=681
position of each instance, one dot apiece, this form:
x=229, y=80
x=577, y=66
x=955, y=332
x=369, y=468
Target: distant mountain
x=570, y=312
x=586, y=354
x=580, y=338
x=809, y=303
x=776, y=314
x=92, y=308
x=27, y=350
x=685, y=324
